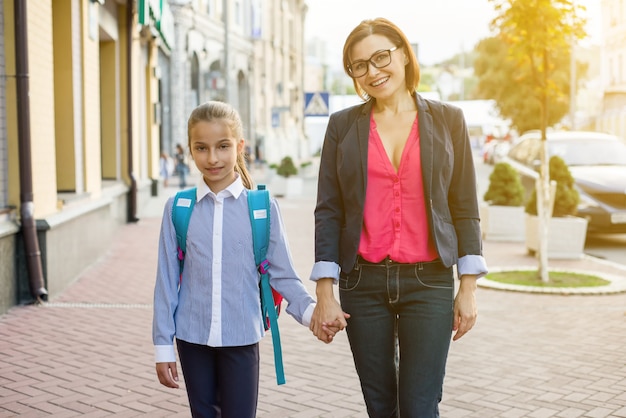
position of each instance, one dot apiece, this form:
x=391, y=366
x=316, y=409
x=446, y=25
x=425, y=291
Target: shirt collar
x=234, y=189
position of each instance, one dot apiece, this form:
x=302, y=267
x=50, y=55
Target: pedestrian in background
x=165, y=168
x=214, y=311
x=396, y=210
x=182, y=168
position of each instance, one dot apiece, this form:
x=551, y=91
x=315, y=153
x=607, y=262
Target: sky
x=442, y=28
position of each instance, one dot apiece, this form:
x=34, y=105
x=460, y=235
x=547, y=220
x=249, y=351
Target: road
x=607, y=246
x=611, y=247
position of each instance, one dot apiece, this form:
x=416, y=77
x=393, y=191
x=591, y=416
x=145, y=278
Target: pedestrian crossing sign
x=316, y=104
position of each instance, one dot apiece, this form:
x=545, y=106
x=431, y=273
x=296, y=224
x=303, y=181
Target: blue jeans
x=399, y=332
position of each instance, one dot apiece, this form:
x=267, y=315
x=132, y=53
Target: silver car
x=598, y=164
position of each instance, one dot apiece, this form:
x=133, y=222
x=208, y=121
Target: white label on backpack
x=184, y=202
x=260, y=213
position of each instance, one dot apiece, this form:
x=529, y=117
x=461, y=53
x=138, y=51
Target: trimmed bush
x=287, y=168
x=505, y=187
x=566, y=198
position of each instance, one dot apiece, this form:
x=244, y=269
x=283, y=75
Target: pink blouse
x=395, y=222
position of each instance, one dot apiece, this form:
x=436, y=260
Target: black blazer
x=448, y=175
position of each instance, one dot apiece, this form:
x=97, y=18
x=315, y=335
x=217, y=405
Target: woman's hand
x=168, y=375
x=328, y=318
x=465, y=311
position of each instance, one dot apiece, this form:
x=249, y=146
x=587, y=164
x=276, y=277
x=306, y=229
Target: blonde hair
x=213, y=110
x=382, y=26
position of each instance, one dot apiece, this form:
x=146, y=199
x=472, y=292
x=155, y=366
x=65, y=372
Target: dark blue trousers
x=222, y=382
x=399, y=332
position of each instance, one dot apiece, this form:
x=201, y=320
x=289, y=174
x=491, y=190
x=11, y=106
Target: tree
x=499, y=79
x=535, y=32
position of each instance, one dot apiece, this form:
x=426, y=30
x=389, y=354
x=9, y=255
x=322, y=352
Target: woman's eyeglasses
x=379, y=59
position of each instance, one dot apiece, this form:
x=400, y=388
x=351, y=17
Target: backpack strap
x=259, y=207
x=184, y=202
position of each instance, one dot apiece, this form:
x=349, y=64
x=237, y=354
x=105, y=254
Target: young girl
x=215, y=316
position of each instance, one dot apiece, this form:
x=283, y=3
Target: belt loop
x=420, y=266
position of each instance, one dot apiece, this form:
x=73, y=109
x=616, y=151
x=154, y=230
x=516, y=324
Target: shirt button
x=397, y=209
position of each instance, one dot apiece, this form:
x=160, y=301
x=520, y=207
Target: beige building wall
x=109, y=109
x=123, y=107
x=11, y=109
x=41, y=81
x=92, y=169
x=66, y=37
x=151, y=103
x=41, y=72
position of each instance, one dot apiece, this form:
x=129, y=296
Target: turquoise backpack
x=259, y=208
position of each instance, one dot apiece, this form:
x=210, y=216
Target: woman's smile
x=379, y=82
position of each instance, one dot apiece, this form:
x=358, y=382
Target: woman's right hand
x=168, y=374
x=328, y=317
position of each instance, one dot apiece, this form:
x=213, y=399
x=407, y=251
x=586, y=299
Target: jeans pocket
x=348, y=282
x=442, y=278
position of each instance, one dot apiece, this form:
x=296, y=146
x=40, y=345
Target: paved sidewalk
x=88, y=352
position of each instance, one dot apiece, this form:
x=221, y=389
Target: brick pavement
x=88, y=352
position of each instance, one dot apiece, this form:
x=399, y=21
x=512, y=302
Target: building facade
x=613, y=116
x=79, y=133
x=249, y=53
x=94, y=90
x=278, y=92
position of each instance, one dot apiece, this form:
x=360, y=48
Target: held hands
x=465, y=312
x=328, y=317
x=325, y=330
x=168, y=375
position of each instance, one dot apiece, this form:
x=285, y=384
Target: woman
x=396, y=209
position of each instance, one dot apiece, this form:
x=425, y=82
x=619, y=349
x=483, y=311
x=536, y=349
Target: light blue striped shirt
x=218, y=303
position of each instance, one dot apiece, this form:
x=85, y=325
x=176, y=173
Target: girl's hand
x=168, y=375
x=331, y=329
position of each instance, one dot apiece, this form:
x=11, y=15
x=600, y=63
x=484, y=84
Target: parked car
x=495, y=150
x=598, y=164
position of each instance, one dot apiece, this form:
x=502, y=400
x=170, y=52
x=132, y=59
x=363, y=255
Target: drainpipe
x=27, y=207
x=132, y=192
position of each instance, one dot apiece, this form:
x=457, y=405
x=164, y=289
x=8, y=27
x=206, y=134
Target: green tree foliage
x=566, y=197
x=505, y=186
x=525, y=67
x=427, y=82
x=499, y=79
x=340, y=86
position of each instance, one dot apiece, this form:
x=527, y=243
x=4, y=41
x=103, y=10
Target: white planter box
x=502, y=223
x=286, y=186
x=566, y=236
